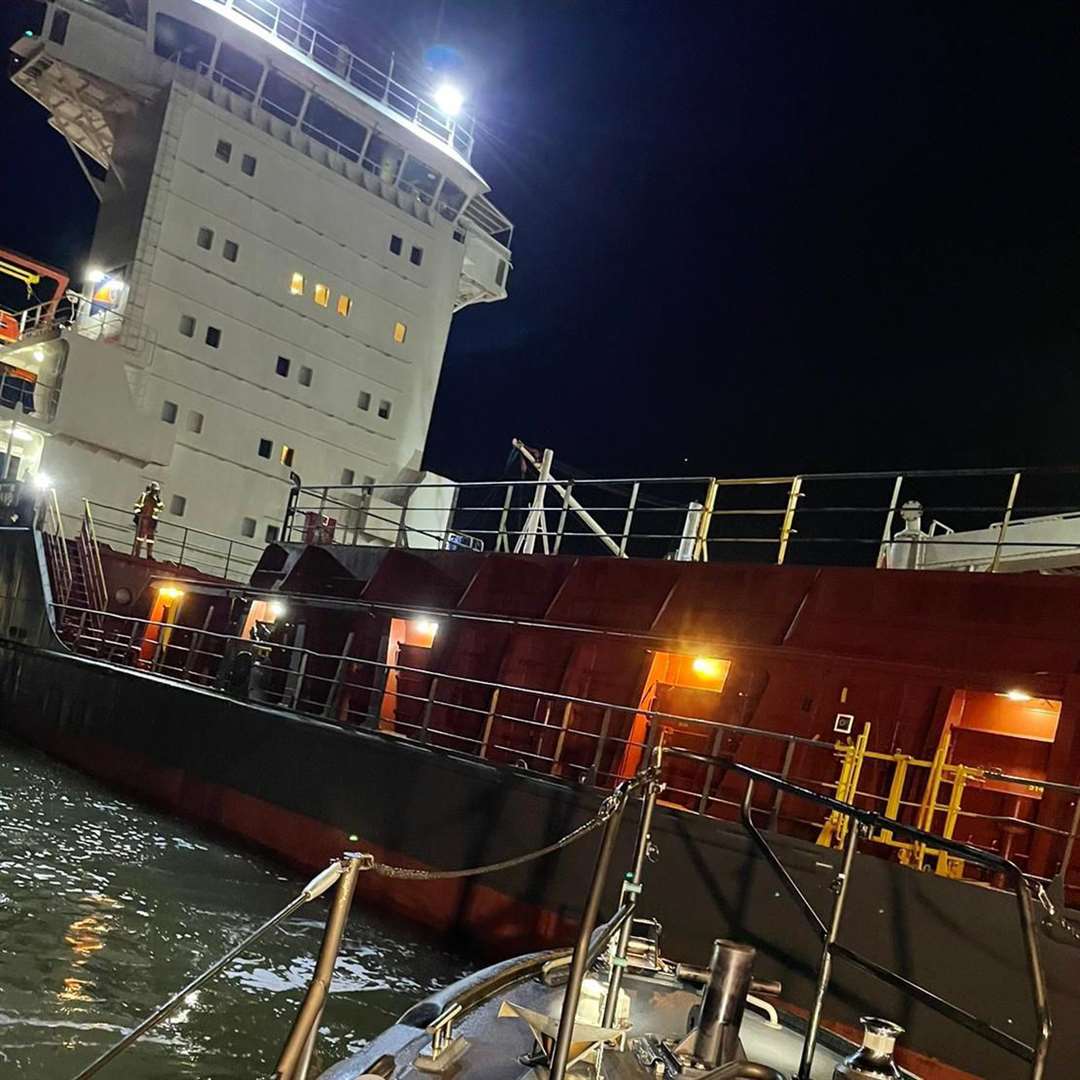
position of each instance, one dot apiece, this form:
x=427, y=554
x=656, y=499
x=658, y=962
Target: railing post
x=425, y=724
x=183, y=546
x=701, y=547
x=335, y=687
x=562, y=516
x=485, y=738
x=228, y=559
x=789, y=516
x=1005, y=523
x=630, y=507
x=502, y=542
x=785, y=772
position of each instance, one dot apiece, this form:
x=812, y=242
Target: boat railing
x=570, y=737
x=79, y=314
x=209, y=552
x=56, y=546
x=855, y=518
x=865, y=822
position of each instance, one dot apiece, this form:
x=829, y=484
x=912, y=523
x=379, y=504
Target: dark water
x=107, y=908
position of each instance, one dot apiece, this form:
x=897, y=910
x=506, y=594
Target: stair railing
x=90, y=557
x=56, y=548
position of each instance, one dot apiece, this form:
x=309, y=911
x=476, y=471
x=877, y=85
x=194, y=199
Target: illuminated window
x=344, y=306
x=322, y=295
x=296, y=285
x=364, y=401
x=286, y=455
x=384, y=410
x=400, y=330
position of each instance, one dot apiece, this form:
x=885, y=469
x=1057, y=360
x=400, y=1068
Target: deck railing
x=571, y=737
x=968, y=519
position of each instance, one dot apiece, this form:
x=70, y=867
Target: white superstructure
x=285, y=232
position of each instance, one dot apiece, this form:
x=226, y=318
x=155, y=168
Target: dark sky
x=758, y=237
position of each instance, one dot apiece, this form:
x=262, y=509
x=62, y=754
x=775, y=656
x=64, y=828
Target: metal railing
x=376, y=81
x=56, y=547
x=183, y=545
x=76, y=313
x=565, y=736
x=820, y=518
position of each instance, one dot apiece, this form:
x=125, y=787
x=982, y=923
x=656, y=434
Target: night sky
x=750, y=237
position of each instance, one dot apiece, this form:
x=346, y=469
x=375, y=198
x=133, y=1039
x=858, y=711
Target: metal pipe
x=316, y=887
x=825, y=968
x=631, y=887
x=312, y=1005
x=716, y=1034
x=572, y=996
x=1005, y=523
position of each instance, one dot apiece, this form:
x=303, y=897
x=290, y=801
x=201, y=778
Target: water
x=107, y=908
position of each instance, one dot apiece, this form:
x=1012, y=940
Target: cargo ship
x=447, y=674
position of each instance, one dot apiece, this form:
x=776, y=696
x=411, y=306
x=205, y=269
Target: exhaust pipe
x=715, y=1038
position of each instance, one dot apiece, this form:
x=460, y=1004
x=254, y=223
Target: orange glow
x=708, y=667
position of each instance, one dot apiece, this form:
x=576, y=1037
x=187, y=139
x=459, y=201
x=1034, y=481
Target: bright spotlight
x=95, y=274
x=42, y=481
x=707, y=667
x=1018, y=695
x=449, y=98
x=427, y=627
x=276, y=608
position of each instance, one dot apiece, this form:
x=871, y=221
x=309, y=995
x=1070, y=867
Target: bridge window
x=282, y=97
x=416, y=256
x=327, y=125
x=400, y=330
x=247, y=165
x=451, y=200
x=177, y=40
x=419, y=179
x=363, y=402
x=237, y=71
x=205, y=239
x=58, y=30
x=383, y=158
x=168, y=412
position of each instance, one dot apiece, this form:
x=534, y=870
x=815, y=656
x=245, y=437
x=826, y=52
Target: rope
x=607, y=808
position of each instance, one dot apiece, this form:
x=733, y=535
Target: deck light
x=170, y=592
x=427, y=627
x=1017, y=695
x=42, y=481
x=277, y=609
x=707, y=667
x=94, y=275
x=449, y=98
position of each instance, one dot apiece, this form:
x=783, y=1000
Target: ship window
x=286, y=455
x=282, y=97
x=247, y=165
x=168, y=412
x=187, y=325
x=322, y=295
x=364, y=401
x=177, y=40
x=265, y=448
x=237, y=71
x=419, y=179
x=58, y=30
x=384, y=410
x=195, y=422
x=500, y=274
x=205, y=239
x=395, y=245
x=334, y=129
x=213, y=337
x=223, y=151
x=304, y=376
x=272, y=533
x=296, y=285
x=383, y=158
x=344, y=306
x=282, y=367
x=347, y=477
x=177, y=505
x=231, y=251
x=451, y=200
x=247, y=526
x=400, y=330
x=416, y=256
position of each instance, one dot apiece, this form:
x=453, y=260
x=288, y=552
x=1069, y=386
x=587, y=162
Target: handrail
x=1035, y=1054
x=96, y=585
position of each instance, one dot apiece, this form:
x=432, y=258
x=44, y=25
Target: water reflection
x=106, y=909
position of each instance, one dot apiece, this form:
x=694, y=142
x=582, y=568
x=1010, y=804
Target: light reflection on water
x=106, y=909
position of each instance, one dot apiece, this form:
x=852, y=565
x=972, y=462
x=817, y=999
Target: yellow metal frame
x=853, y=755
